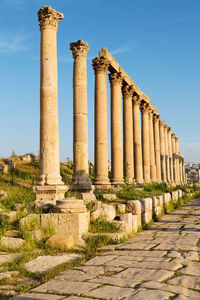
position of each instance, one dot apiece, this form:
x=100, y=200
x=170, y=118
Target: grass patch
x=101, y=225
x=95, y=242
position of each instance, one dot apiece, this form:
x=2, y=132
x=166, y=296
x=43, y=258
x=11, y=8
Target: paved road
x=160, y=263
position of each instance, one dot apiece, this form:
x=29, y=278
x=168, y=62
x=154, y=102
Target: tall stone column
x=157, y=146
x=128, y=133
x=49, y=181
x=174, y=157
x=162, y=151
x=145, y=141
x=137, y=140
x=100, y=65
x=177, y=159
x=180, y=168
x=152, y=148
x=116, y=129
x=170, y=154
x=167, y=154
x=80, y=179
x=184, y=174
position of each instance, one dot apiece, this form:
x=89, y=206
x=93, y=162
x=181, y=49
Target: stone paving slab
x=150, y=295
x=108, y=292
x=32, y=296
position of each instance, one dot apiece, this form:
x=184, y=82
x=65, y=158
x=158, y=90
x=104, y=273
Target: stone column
x=128, y=133
x=49, y=181
x=167, y=154
x=180, y=168
x=80, y=179
x=116, y=129
x=100, y=65
x=184, y=174
x=177, y=159
x=145, y=141
x=137, y=148
x=157, y=146
x=152, y=148
x=162, y=151
x=174, y=158
x=170, y=154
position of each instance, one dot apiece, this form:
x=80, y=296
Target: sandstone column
x=180, y=168
x=174, y=157
x=137, y=148
x=145, y=141
x=162, y=151
x=100, y=65
x=152, y=148
x=157, y=146
x=177, y=159
x=167, y=154
x=116, y=129
x=80, y=179
x=128, y=133
x=49, y=136
x=170, y=154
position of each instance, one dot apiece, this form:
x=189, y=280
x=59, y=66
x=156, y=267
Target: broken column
x=80, y=178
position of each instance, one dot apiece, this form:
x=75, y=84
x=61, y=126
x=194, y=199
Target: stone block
x=121, y=208
x=12, y=243
x=146, y=210
x=128, y=219
x=166, y=198
x=175, y=196
x=88, y=197
x=61, y=242
x=50, y=192
x=109, y=196
x=10, y=216
x=156, y=207
x=3, y=194
x=180, y=194
x=136, y=222
x=134, y=206
x=106, y=211
x=160, y=200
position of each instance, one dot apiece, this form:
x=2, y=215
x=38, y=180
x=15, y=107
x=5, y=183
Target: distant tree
x=13, y=153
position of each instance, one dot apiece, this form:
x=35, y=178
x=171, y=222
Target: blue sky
x=156, y=42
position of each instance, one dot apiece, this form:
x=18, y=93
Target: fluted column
x=174, y=157
x=100, y=65
x=180, y=168
x=184, y=174
x=128, y=133
x=49, y=136
x=80, y=179
x=152, y=148
x=162, y=151
x=177, y=159
x=145, y=141
x=157, y=146
x=167, y=154
x=137, y=140
x=170, y=154
x=116, y=129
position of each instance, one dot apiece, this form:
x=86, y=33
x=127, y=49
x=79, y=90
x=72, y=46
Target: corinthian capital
x=144, y=107
x=79, y=48
x=136, y=100
x=162, y=122
x=49, y=17
x=127, y=90
x=115, y=78
x=100, y=64
x=156, y=117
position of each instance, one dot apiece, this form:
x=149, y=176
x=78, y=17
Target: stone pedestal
x=50, y=193
x=137, y=140
x=162, y=151
x=80, y=179
x=100, y=65
x=128, y=133
x=70, y=206
x=157, y=146
x=116, y=130
x=152, y=148
x=145, y=141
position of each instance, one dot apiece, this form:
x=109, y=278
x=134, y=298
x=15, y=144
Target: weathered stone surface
x=109, y=197
x=61, y=242
x=17, y=206
x=10, y=216
x=166, y=198
x=134, y=206
x=190, y=282
x=194, y=271
x=3, y=194
x=9, y=274
x=43, y=264
x=106, y=211
x=107, y=292
x=128, y=219
x=6, y=257
x=31, y=296
x=36, y=235
x=175, y=196
x=146, y=210
x=151, y=294
x=88, y=196
x=121, y=208
x=100, y=260
x=12, y=233
x=12, y=243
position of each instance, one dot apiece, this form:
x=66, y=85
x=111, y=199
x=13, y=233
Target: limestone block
x=106, y=211
x=36, y=235
x=3, y=194
x=10, y=216
x=146, y=210
x=61, y=242
x=160, y=200
x=180, y=194
x=175, y=196
x=96, y=205
x=128, y=219
x=88, y=196
x=123, y=226
x=50, y=192
x=12, y=243
x=121, y=208
x=136, y=222
x=156, y=207
x=12, y=233
x=134, y=206
x=109, y=196
x=30, y=218
x=166, y=198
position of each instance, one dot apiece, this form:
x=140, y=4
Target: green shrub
x=101, y=225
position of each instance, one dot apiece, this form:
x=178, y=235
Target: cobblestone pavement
x=159, y=263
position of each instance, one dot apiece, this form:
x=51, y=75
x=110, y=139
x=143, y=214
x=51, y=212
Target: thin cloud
x=122, y=49
x=13, y=44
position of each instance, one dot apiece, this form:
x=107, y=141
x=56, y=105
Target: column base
x=70, y=206
x=44, y=180
x=117, y=181
x=101, y=181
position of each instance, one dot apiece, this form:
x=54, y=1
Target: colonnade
x=143, y=148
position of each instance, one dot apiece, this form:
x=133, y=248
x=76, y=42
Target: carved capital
x=100, y=64
x=136, y=100
x=176, y=138
x=115, y=78
x=169, y=129
x=162, y=123
x=156, y=117
x=79, y=48
x=49, y=17
x=127, y=90
x=173, y=136
x=144, y=107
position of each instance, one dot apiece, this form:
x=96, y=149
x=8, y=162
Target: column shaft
x=174, y=158
x=170, y=154
x=116, y=129
x=157, y=146
x=137, y=140
x=100, y=66
x=167, y=154
x=177, y=159
x=145, y=141
x=152, y=148
x=162, y=151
